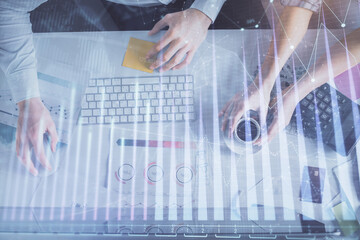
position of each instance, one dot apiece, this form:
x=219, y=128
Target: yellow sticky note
x=135, y=56
x=346, y=219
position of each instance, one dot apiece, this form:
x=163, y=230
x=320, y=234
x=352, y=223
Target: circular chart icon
x=184, y=174
x=155, y=173
x=126, y=172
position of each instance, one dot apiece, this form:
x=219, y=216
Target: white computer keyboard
x=140, y=99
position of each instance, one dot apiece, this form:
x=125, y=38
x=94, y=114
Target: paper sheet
x=135, y=56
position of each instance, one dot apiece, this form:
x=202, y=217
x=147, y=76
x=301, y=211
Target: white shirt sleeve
x=17, y=54
x=210, y=8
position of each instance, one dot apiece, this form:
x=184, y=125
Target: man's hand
x=254, y=99
x=187, y=30
x=34, y=120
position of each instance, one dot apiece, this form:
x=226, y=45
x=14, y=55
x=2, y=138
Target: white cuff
x=210, y=8
x=24, y=84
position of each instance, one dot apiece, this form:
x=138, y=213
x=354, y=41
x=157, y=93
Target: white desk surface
x=101, y=53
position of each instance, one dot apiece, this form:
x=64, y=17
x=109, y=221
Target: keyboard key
x=188, y=86
x=84, y=105
x=86, y=113
x=311, y=107
x=90, y=97
x=165, y=79
x=117, y=89
x=141, y=88
x=129, y=96
x=119, y=111
x=107, y=119
x=181, y=79
x=123, y=118
x=163, y=117
x=322, y=105
x=171, y=87
x=154, y=102
x=179, y=86
x=320, y=94
x=113, y=96
x=166, y=109
x=121, y=96
x=170, y=102
x=132, y=88
x=188, y=101
x=168, y=94
x=178, y=101
x=84, y=120
x=327, y=99
x=116, y=119
x=134, y=111
x=125, y=89
x=92, y=83
x=107, y=82
x=112, y=111
x=173, y=79
x=91, y=90
x=107, y=104
x=160, y=94
x=100, y=82
x=304, y=102
x=92, y=105
x=116, y=81
x=178, y=117
x=189, y=79
x=156, y=87
x=310, y=96
x=92, y=120
x=328, y=110
x=131, y=103
x=146, y=80
x=148, y=88
x=100, y=119
x=176, y=94
x=123, y=104
x=152, y=95
x=101, y=89
x=155, y=117
x=324, y=116
x=127, y=111
x=109, y=89
x=144, y=95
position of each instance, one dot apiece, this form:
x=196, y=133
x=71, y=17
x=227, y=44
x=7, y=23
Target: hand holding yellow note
x=135, y=56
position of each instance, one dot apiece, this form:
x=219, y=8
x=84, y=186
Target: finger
x=24, y=157
x=187, y=60
x=53, y=135
x=236, y=117
x=179, y=56
x=272, y=131
x=37, y=142
x=162, y=43
x=224, y=109
x=158, y=26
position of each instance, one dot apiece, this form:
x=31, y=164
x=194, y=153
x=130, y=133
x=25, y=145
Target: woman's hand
x=251, y=98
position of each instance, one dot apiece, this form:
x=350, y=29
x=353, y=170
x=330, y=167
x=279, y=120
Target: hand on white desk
x=187, y=30
x=34, y=120
x=254, y=98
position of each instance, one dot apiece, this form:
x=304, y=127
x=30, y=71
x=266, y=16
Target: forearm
x=289, y=32
x=340, y=59
x=17, y=54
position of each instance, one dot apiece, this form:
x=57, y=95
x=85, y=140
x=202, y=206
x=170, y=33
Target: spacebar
x=128, y=81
